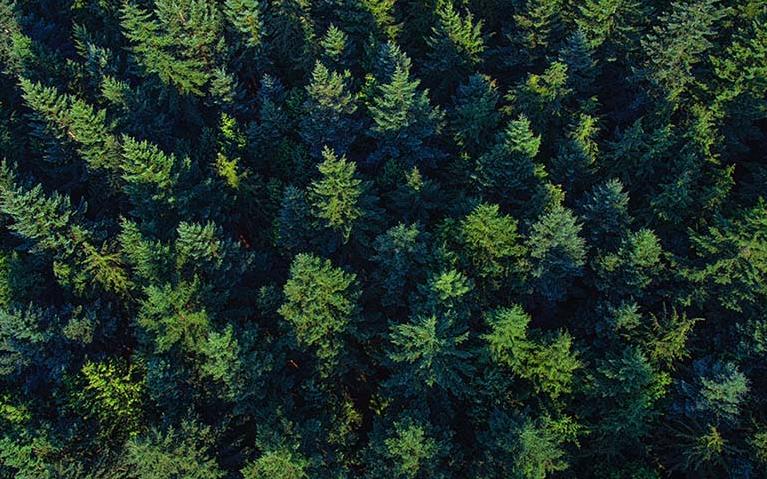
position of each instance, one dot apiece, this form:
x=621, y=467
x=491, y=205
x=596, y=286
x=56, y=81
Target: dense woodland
x=383, y=239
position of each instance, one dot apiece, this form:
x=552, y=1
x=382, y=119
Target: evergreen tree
x=491, y=241
x=678, y=42
x=605, y=213
x=404, y=121
x=320, y=306
x=474, y=117
x=557, y=252
x=507, y=171
x=456, y=47
x=429, y=352
x=175, y=452
x=329, y=121
x=335, y=199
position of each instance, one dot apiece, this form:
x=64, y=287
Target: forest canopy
x=383, y=239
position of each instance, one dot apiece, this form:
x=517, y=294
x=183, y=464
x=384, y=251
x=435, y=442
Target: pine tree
x=175, y=452
x=280, y=463
x=320, y=306
x=400, y=253
x=678, y=43
x=629, y=271
x=159, y=47
x=151, y=178
x=542, y=97
x=329, y=107
x=731, y=263
x=574, y=164
x=527, y=448
x=406, y=449
x=247, y=17
x=80, y=122
x=538, y=29
x=581, y=67
x=404, y=122
x=293, y=223
x=336, y=48
x=547, y=361
x=614, y=25
x=173, y=318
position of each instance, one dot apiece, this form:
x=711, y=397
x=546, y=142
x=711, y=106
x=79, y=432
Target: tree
x=407, y=449
x=399, y=253
x=404, y=121
x=557, y=252
x=336, y=48
x=546, y=360
x=527, y=448
x=246, y=16
x=538, y=29
x=629, y=271
x=507, y=171
x=329, y=107
x=335, y=199
x=491, y=241
x=605, y=213
x=320, y=306
x=456, y=45
x=168, y=46
x=175, y=452
x=731, y=260
x=112, y=393
x=429, y=351
x=678, y=42
x=278, y=464
x=474, y=118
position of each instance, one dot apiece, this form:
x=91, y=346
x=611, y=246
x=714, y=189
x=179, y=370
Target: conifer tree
x=329, y=121
x=456, y=46
x=247, y=17
x=159, y=46
x=175, y=452
x=507, y=172
x=491, y=241
x=429, y=352
x=557, y=252
x=605, y=213
x=320, y=306
x=677, y=44
x=404, y=121
x=335, y=198
x=474, y=117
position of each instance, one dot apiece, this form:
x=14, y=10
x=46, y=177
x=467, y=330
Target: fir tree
x=329, y=121
x=320, y=306
x=335, y=198
x=507, y=172
x=474, y=118
x=456, y=47
x=404, y=120
x=557, y=252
